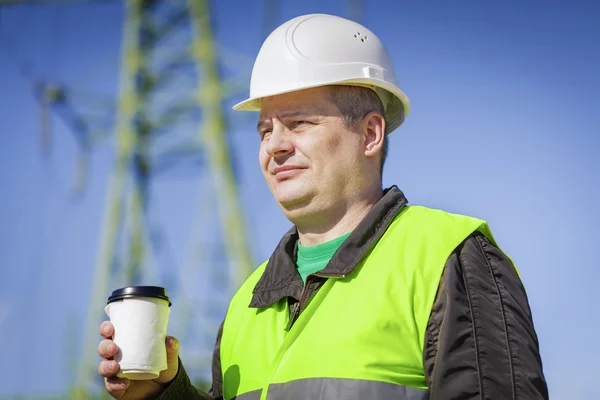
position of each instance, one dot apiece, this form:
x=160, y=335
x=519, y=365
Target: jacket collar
x=281, y=279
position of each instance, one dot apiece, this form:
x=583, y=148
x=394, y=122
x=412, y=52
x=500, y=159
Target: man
x=365, y=297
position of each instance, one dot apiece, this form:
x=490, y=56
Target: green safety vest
x=361, y=336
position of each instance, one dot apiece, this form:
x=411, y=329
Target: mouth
x=287, y=172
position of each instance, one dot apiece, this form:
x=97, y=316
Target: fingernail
x=173, y=343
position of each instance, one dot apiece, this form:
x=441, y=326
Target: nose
x=279, y=143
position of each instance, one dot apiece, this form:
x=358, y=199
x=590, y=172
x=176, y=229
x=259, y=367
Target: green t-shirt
x=313, y=259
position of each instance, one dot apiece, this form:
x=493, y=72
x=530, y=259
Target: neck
x=337, y=221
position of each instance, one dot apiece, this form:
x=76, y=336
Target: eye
x=301, y=123
x=264, y=133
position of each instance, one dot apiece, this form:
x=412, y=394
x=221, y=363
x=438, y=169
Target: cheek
x=338, y=151
x=263, y=158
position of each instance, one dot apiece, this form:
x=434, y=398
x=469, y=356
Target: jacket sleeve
x=480, y=341
x=180, y=388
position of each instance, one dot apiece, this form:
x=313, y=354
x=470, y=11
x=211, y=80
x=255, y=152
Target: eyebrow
x=289, y=114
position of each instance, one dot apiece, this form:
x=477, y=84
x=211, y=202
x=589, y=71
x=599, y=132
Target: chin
x=292, y=197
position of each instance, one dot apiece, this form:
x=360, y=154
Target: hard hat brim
x=254, y=103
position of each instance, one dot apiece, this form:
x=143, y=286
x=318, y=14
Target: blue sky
x=503, y=127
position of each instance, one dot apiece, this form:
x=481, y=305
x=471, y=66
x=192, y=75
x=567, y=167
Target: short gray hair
x=354, y=102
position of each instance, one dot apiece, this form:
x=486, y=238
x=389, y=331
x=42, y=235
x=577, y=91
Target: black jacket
x=480, y=342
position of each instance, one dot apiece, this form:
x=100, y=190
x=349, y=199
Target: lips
x=284, y=168
x=287, y=171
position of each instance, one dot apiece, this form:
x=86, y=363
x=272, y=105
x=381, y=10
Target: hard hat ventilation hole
x=358, y=36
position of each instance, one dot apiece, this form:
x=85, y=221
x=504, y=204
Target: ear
x=374, y=131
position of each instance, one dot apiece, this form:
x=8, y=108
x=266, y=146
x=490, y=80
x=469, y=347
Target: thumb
x=172, y=350
x=172, y=345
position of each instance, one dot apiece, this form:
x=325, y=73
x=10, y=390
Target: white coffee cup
x=140, y=315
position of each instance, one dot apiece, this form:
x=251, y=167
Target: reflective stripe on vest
x=360, y=336
x=336, y=389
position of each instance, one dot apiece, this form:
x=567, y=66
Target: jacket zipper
x=296, y=308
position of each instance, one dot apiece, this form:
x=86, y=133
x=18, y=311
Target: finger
x=107, y=349
x=172, y=350
x=107, y=329
x=116, y=386
x=172, y=345
x=108, y=368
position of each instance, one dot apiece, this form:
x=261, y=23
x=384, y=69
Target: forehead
x=313, y=101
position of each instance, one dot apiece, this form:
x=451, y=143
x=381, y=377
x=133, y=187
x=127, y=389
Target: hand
x=123, y=388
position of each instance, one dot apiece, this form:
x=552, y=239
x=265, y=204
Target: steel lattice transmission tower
x=166, y=45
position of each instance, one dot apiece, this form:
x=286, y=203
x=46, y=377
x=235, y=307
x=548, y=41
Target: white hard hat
x=319, y=49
